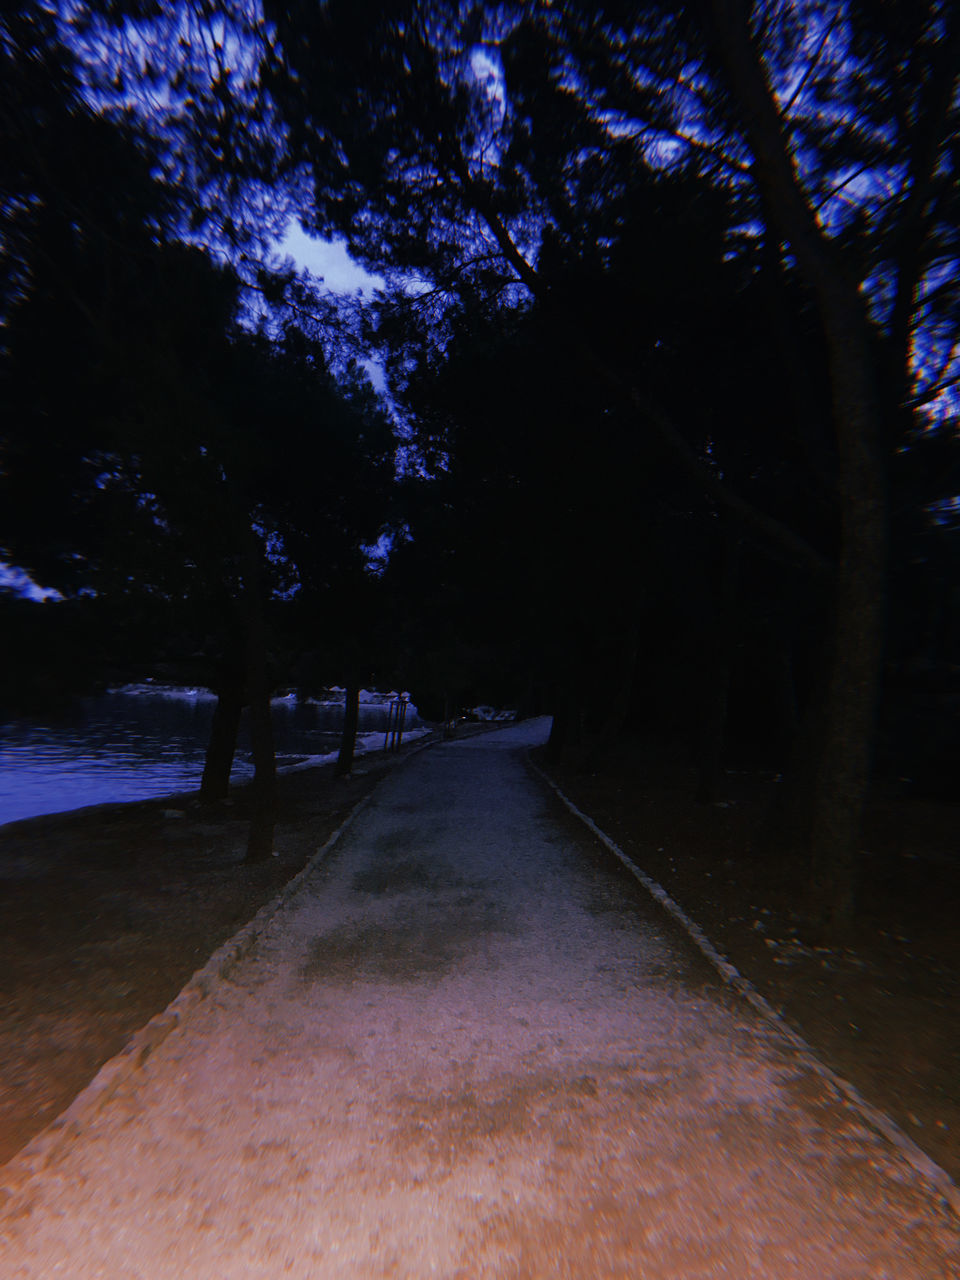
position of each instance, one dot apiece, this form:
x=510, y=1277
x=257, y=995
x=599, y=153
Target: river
x=145, y=741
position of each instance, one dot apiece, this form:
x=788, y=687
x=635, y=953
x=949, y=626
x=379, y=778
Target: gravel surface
x=467, y=1048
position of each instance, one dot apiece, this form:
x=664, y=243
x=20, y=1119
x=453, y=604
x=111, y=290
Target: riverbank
x=106, y=912
x=882, y=1009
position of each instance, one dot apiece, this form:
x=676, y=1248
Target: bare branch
x=941, y=381
x=788, y=106
x=851, y=177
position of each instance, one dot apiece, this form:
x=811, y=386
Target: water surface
x=142, y=742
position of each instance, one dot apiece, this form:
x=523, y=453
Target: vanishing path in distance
x=468, y=1047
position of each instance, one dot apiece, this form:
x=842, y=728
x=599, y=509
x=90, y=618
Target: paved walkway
x=467, y=1048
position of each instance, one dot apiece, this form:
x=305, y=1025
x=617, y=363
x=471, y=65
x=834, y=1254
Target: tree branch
x=931, y=393
x=788, y=106
x=772, y=531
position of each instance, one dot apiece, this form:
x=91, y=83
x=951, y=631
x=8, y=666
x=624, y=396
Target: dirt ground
x=883, y=1009
x=470, y=1045
x=106, y=912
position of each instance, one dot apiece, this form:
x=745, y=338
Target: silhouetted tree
x=470, y=134
x=572, y=156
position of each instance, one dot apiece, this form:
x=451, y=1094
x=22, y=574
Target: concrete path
x=468, y=1047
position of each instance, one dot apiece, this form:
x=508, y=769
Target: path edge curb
x=932, y=1174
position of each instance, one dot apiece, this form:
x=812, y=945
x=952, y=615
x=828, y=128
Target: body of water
x=146, y=741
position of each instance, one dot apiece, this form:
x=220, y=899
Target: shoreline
x=181, y=799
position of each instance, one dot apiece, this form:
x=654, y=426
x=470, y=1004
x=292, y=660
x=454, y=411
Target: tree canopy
x=670, y=328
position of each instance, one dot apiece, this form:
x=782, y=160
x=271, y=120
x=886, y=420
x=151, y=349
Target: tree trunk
x=215, y=784
x=849, y=709
x=264, y=786
x=351, y=718
x=262, y=748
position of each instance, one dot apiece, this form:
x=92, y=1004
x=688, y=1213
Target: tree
x=917, y=103
x=470, y=135
x=176, y=456
x=494, y=150
x=801, y=111
x=317, y=480
x=198, y=464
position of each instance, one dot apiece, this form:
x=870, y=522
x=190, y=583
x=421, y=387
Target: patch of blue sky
x=936, y=367
x=663, y=150
x=487, y=83
x=127, y=66
x=824, y=50
x=170, y=72
x=329, y=261
x=377, y=554
x=19, y=583
x=878, y=290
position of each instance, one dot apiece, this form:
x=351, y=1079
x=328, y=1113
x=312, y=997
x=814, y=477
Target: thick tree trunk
x=850, y=705
x=351, y=718
x=856, y=659
x=215, y=784
x=849, y=708
x=262, y=749
x=264, y=785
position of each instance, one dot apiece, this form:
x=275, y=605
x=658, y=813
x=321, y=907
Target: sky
x=23, y=584
x=329, y=259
